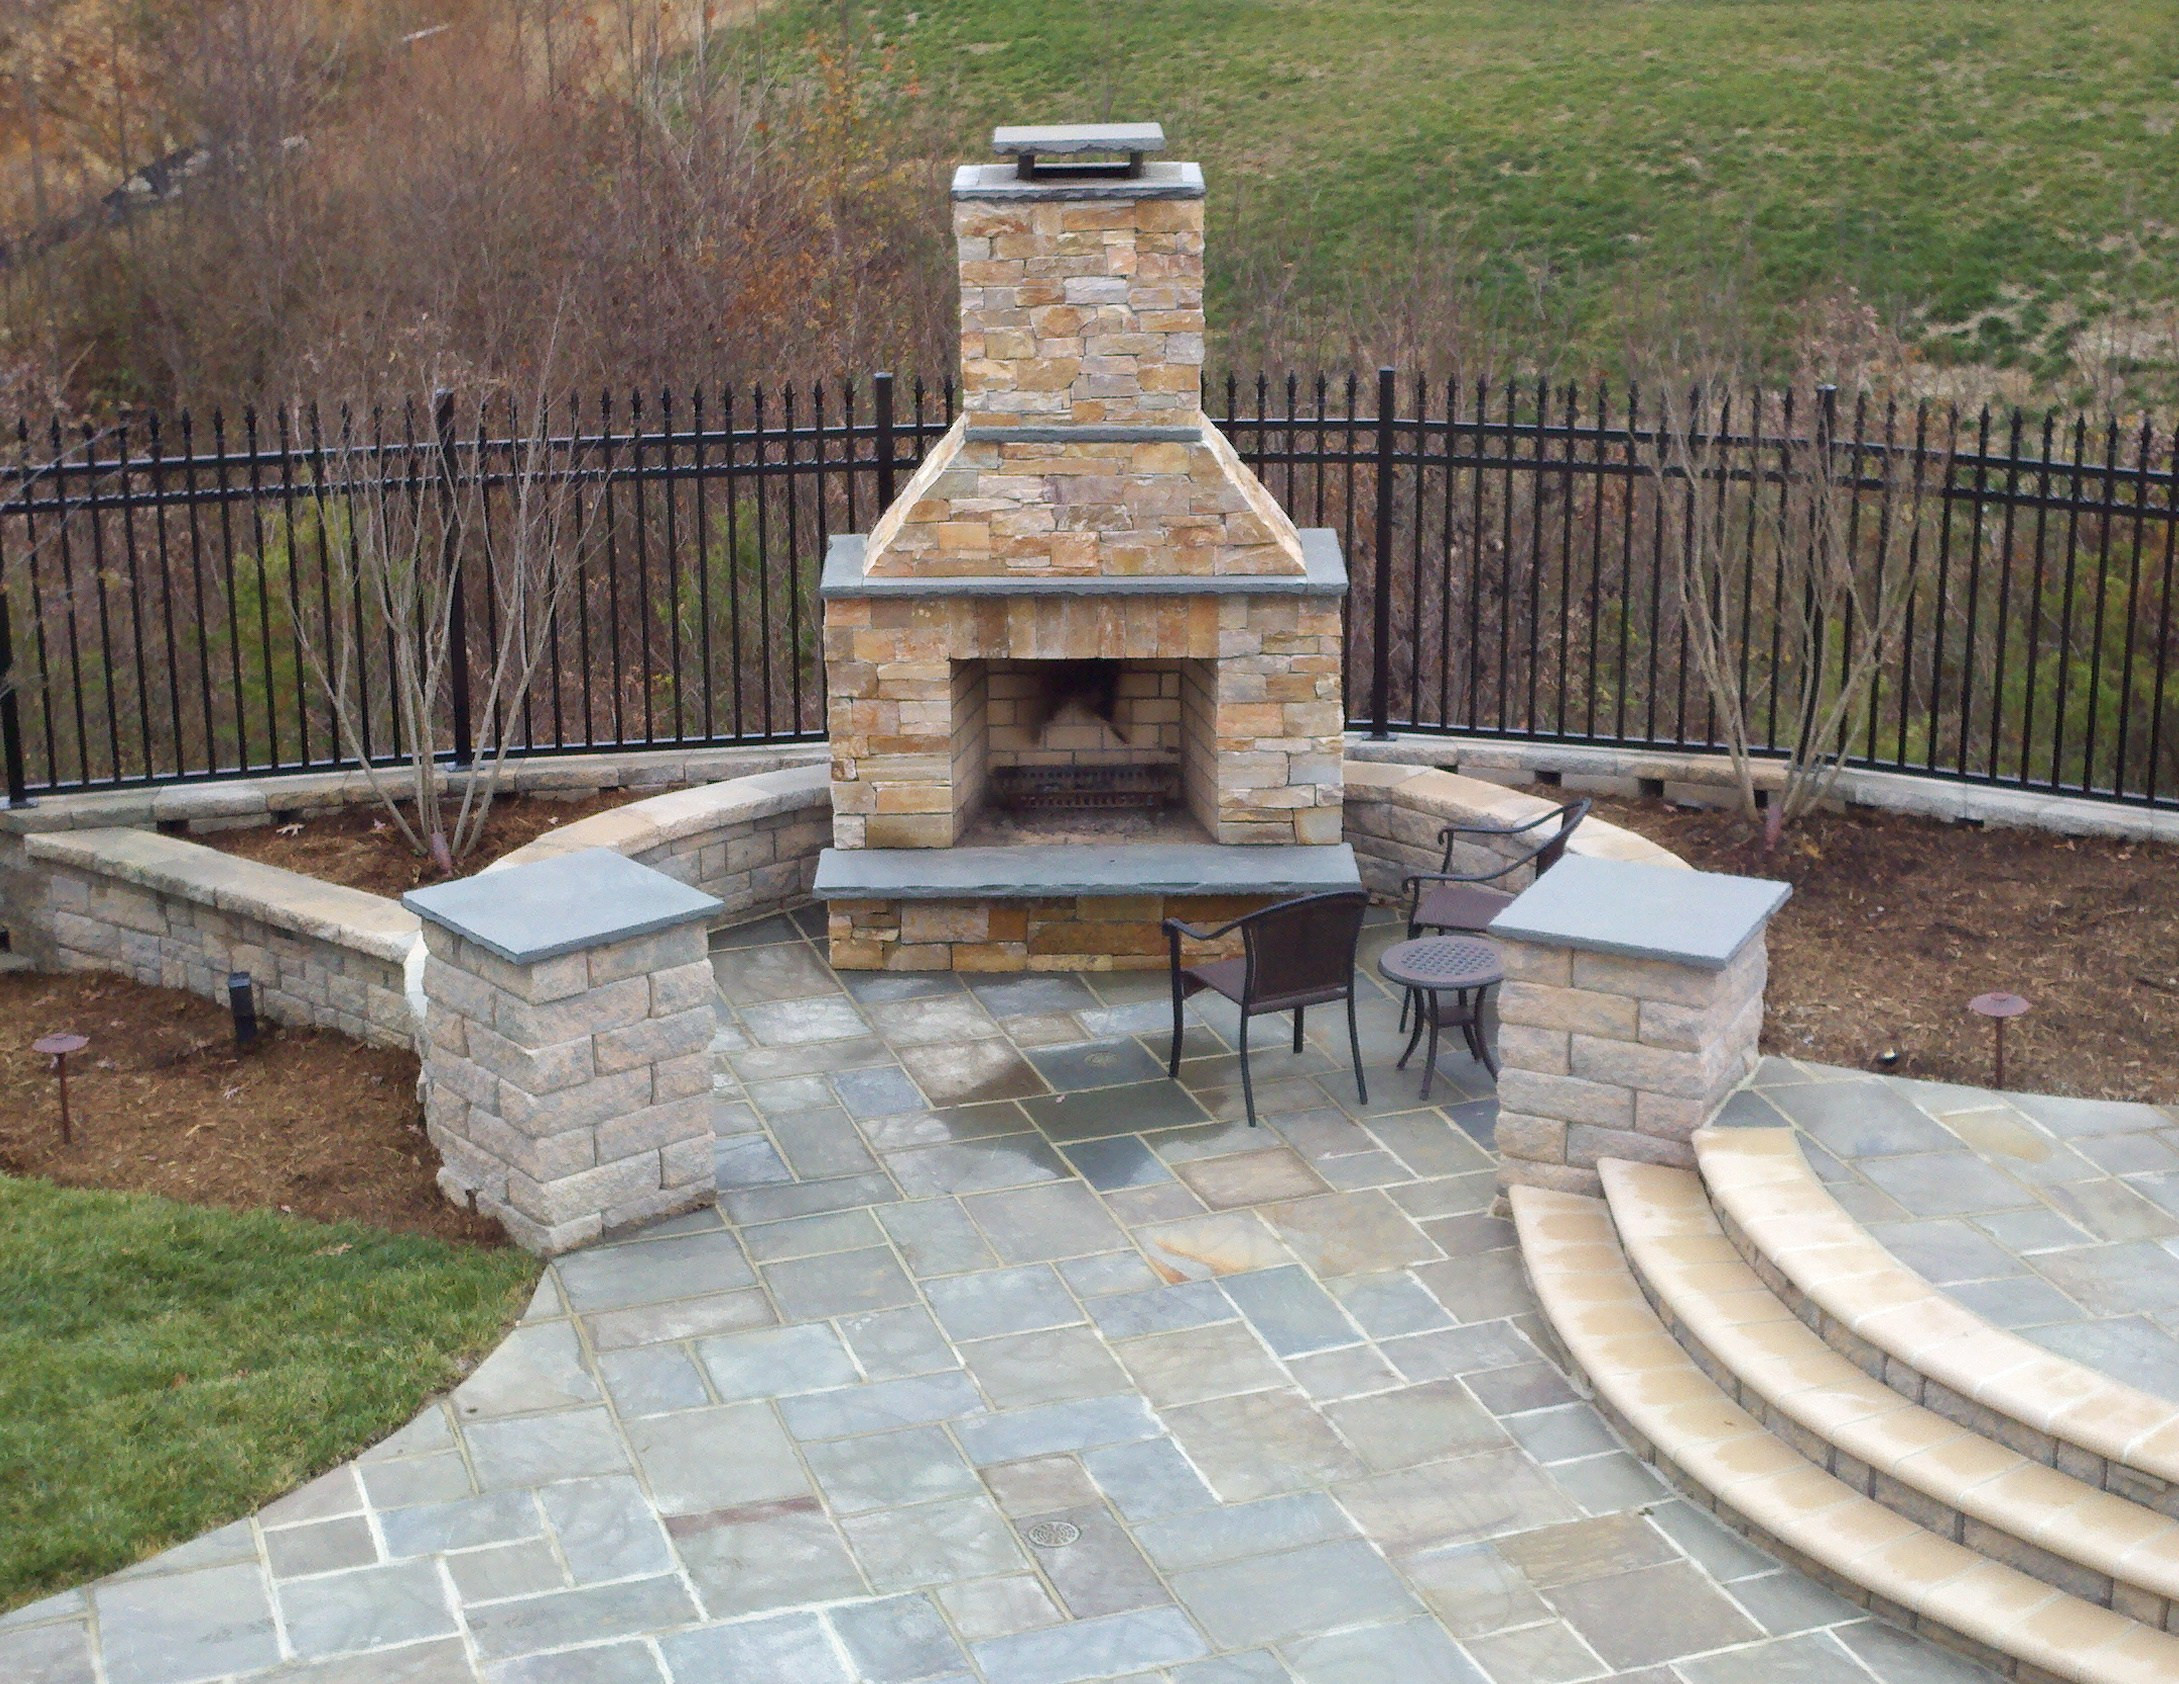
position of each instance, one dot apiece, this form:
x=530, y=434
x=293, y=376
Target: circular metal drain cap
x=1052, y=1534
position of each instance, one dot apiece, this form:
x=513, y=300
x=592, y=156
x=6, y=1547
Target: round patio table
x=1433, y=969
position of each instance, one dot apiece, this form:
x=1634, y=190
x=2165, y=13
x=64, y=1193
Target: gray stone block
x=1697, y=918
x=1149, y=868
x=559, y=906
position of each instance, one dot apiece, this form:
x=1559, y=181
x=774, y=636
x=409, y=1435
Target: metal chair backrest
x=1553, y=850
x=1302, y=949
x=1545, y=854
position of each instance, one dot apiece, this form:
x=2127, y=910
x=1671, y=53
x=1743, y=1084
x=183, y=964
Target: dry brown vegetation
x=380, y=196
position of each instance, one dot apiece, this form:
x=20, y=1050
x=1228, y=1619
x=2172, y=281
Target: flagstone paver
x=1006, y=1361
x=2055, y=1217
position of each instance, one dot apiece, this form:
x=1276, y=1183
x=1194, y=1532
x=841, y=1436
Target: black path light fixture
x=1999, y=1008
x=57, y=1048
x=242, y=1001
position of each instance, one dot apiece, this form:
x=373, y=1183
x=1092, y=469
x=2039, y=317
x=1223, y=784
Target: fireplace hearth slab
x=1325, y=574
x=1042, y=871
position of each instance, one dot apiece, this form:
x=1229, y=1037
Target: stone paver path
x=2058, y=1218
x=1005, y=1360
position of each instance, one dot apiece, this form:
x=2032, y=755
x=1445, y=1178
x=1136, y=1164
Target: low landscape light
x=242, y=1001
x=1998, y=1008
x=57, y=1048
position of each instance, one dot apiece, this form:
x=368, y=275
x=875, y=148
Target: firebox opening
x=1083, y=749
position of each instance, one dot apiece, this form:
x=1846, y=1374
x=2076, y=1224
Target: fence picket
x=1512, y=568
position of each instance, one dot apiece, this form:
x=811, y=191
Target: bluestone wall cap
x=564, y=905
x=1696, y=918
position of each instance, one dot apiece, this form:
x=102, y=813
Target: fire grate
x=1085, y=788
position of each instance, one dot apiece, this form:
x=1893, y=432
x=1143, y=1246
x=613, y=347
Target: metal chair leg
x=1248, y=1088
x=1354, y=1040
x=1414, y=999
x=1172, y=1064
x=1298, y=1010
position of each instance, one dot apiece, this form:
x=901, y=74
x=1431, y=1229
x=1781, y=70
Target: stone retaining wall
x=178, y=914
x=751, y=842
x=1706, y=780
x=1394, y=813
x=175, y=914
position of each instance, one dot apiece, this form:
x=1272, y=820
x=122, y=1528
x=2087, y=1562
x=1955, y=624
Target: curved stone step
x=1717, y=1451
x=1923, y=1343
x=1996, y=1501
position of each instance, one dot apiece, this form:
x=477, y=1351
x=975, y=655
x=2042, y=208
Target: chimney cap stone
x=1057, y=140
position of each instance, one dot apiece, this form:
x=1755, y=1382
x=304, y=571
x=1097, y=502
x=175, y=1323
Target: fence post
x=881, y=399
x=450, y=570
x=1380, y=672
x=11, y=724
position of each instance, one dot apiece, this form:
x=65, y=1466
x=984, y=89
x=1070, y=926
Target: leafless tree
x=1790, y=538
x=511, y=519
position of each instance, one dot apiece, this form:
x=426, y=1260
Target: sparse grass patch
x=165, y=1368
x=1998, y=171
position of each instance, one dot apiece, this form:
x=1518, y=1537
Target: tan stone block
x=586, y=1192
x=1543, y=1007
x=654, y=1040
x=654, y=1127
x=666, y=950
x=1105, y=936
x=1585, y=1146
x=1560, y=1178
x=1666, y=981
x=535, y=1070
x=1628, y=1065
x=1539, y=1139
x=948, y=921
x=1542, y=1050
x=1670, y=1115
x=1573, y=1099
x=910, y=830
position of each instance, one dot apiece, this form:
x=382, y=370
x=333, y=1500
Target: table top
x=1442, y=962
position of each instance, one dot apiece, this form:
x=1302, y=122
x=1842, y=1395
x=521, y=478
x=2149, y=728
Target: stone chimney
x=1083, y=673
x=1082, y=448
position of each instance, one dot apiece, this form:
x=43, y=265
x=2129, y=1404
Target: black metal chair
x=1463, y=902
x=1294, y=955
x=1449, y=902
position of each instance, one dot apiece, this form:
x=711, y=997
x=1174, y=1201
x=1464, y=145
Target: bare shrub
x=1790, y=542
x=385, y=193
x=420, y=541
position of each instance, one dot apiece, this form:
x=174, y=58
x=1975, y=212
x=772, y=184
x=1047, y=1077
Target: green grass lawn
x=1989, y=168
x=165, y=1368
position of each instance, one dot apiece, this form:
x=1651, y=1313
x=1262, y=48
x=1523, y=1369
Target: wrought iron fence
x=1512, y=549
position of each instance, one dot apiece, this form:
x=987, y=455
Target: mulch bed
x=363, y=848
x=307, y=1122
x=1897, y=922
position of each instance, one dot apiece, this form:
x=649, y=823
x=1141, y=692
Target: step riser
x=2134, y=1601
x=1906, y=1619
x=1939, y=1399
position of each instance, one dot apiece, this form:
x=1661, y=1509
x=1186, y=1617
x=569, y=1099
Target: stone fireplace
x=1084, y=658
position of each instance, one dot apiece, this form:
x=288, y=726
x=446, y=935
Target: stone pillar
x=1632, y=1005
x=567, y=1077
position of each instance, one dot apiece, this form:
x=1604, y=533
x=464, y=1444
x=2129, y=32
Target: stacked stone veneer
x=1269, y=771
x=1047, y=933
x=1057, y=506
x=175, y=914
x=1609, y=1052
x=569, y=1095
x=1082, y=327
